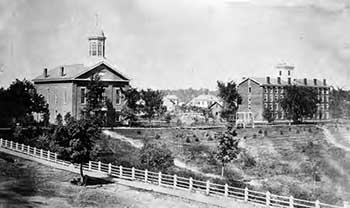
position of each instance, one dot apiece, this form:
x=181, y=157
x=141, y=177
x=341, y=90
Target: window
x=280, y=73
x=249, y=89
x=118, y=96
x=93, y=49
x=288, y=72
x=82, y=95
x=99, y=49
x=48, y=95
x=104, y=95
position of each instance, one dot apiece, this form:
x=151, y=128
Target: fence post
x=109, y=168
x=175, y=181
x=317, y=203
x=207, y=189
x=41, y=153
x=11, y=145
x=16, y=146
x=346, y=204
x=159, y=178
x=55, y=157
x=226, y=190
x=22, y=148
x=48, y=154
x=268, y=197
x=291, y=202
x=5, y=143
x=0, y=142
x=28, y=149
x=146, y=175
x=191, y=184
x=132, y=173
x=120, y=171
x=246, y=193
x=99, y=166
x=34, y=152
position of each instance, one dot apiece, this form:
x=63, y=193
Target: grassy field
x=28, y=184
x=288, y=160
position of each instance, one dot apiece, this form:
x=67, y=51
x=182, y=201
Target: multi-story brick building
x=64, y=87
x=265, y=93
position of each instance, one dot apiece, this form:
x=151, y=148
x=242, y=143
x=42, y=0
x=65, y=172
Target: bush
x=188, y=140
x=157, y=137
x=196, y=139
x=265, y=132
x=260, y=131
x=254, y=136
x=281, y=132
x=155, y=157
x=138, y=132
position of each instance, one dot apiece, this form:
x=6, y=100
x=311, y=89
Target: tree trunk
x=83, y=182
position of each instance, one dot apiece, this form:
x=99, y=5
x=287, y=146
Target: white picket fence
x=174, y=181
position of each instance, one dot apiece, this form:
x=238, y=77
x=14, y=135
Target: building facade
x=65, y=87
x=259, y=94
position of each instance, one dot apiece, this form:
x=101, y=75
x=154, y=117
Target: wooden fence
x=174, y=181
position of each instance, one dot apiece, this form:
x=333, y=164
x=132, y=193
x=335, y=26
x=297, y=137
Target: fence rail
x=174, y=181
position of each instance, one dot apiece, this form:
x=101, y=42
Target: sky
x=172, y=44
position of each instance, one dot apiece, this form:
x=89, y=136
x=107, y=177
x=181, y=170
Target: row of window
x=118, y=96
x=54, y=93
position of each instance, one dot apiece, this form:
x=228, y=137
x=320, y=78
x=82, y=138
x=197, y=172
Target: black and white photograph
x=175, y=103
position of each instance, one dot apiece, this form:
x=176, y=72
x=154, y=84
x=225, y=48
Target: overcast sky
x=180, y=43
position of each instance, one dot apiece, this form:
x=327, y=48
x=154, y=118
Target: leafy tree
x=299, y=102
x=133, y=106
x=19, y=101
x=94, y=96
x=155, y=157
x=268, y=115
x=228, y=93
x=227, y=148
x=339, y=103
x=152, y=103
x=68, y=117
x=168, y=118
x=110, y=114
x=59, y=120
x=75, y=141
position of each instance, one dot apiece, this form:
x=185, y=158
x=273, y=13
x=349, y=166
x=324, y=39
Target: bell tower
x=97, y=41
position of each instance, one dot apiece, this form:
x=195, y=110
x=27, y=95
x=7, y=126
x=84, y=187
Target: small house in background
x=203, y=101
x=170, y=102
x=215, y=109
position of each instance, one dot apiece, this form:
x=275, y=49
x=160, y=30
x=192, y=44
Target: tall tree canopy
x=152, y=103
x=339, y=105
x=299, y=102
x=228, y=93
x=18, y=103
x=94, y=95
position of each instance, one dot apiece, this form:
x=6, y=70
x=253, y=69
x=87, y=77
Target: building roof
x=76, y=72
x=274, y=81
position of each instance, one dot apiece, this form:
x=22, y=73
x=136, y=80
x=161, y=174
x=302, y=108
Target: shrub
x=265, y=132
x=155, y=157
x=254, y=136
x=188, y=140
x=281, y=132
x=138, y=132
x=260, y=131
x=196, y=139
x=157, y=137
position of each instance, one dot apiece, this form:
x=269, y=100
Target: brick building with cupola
x=64, y=87
x=259, y=94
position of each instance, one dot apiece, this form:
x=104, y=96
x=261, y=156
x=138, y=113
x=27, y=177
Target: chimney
x=268, y=80
x=278, y=80
x=45, y=73
x=62, y=71
x=315, y=82
x=305, y=81
x=289, y=80
x=324, y=82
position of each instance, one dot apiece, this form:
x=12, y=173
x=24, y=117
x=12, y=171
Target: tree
x=83, y=133
x=155, y=157
x=227, y=148
x=228, y=93
x=268, y=115
x=152, y=104
x=18, y=103
x=110, y=114
x=299, y=102
x=132, y=106
x=94, y=96
x=59, y=120
x=339, y=103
